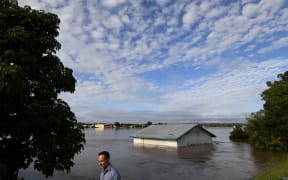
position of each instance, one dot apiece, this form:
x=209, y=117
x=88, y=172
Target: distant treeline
x=140, y=125
x=220, y=124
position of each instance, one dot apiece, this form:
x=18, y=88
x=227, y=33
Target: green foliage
x=117, y=124
x=238, y=134
x=268, y=128
x=148, y=124
x=35, y=125
x=3, y=172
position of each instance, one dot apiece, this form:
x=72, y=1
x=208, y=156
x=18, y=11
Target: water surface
x=221, y=160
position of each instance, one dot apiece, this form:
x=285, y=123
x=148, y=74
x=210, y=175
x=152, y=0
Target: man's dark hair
x=105, y=154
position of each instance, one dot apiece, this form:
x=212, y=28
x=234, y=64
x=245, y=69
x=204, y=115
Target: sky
x=169, y=61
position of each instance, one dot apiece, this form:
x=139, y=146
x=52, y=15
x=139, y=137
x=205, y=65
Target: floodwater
x=220, y=161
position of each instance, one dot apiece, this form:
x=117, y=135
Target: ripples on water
x=219, y=161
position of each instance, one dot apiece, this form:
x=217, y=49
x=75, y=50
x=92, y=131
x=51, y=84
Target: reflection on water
x=265, y=159
x=193, y=153
x=221, y=160
x=99, y=129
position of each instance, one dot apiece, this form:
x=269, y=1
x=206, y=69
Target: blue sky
x=169, y=61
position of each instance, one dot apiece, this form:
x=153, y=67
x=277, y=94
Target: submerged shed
x=173, y=135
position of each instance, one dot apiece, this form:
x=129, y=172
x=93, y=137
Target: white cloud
x=214, y=13
x=225, y=92
x=191, y=16
x=283, y=42
x=98, y=33
x=123, y=51
x=111, y=3
x=162, y=2
x=35, y=4
x=271, y=6
x=54, y=3
x=235, y=88
x=266, y=7
x=250, y=10
x=125, y=19
x=205, y=6
x=113, y=22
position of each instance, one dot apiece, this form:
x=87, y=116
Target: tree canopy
x=36, y=126
x=268, y=128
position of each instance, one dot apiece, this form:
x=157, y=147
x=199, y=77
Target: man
x=108, y=171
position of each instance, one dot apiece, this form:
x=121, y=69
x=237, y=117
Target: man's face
x=103, y=163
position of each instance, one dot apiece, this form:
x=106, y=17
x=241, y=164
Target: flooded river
x=220, y=161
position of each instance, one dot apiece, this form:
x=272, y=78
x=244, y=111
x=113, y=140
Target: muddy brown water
x=220, y=161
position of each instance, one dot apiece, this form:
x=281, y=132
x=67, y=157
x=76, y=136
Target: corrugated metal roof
x=167, y=131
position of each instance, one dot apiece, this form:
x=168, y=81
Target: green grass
x=277, y=170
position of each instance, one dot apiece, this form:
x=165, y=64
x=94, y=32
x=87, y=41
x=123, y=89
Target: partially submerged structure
x=103, y=126
x=173, y=135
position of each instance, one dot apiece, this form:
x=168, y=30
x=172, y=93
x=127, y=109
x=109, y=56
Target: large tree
x=36, y=126
x=268, y=128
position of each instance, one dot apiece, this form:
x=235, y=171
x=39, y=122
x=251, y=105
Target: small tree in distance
x=148, y=124
x=35, y=125
x=117, y=124
x=238, y=134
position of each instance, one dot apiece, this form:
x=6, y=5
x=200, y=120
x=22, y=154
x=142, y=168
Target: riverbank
x=278, y=172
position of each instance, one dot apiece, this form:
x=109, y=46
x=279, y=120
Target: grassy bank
x=278, y=171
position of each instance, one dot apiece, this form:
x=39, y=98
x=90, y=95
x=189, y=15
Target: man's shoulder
x=113, y=169
x=114, y=173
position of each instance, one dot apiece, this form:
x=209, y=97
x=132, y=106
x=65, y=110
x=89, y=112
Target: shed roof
x=167, y=131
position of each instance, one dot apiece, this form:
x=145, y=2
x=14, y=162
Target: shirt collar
x=107, y=169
